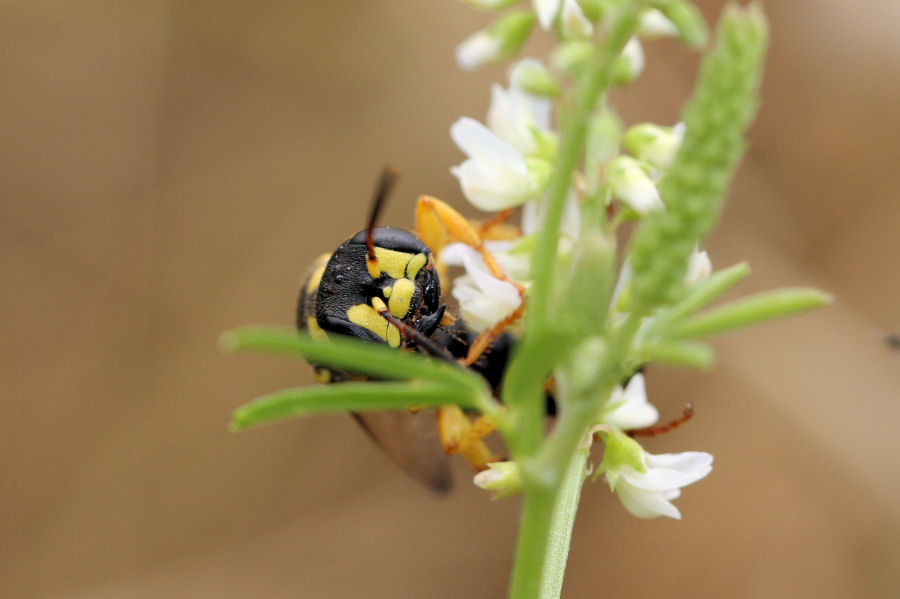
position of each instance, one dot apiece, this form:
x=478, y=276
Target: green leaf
x=702, y=294
x=692, y=354
x=360, y=357
x=755, y=309
x=345, y=397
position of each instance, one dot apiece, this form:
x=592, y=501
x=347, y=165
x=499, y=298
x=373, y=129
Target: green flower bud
x=620, y=451
x=532, y=76
x=502, y=40
x=502, y=479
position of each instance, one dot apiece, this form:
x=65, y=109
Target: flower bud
x=501, y=40
x=655, y=24
x=572, y=56
x=533, y=77
x=502, y=479
x=574, y=24
x=699, y=267
x=633, y=186
x=654, y=144
x=629, y=64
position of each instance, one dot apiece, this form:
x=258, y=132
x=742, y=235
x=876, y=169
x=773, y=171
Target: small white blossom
x=632, y=59
x=484, y=300
x=546, y=11
x=495, y=176
x=699, y=267
x=649, y=494
x=655, y=24
x=479, y=49
x=516, y=117
x=654, y=144
x=574, y=23
x=633, y=186
x=629, y=406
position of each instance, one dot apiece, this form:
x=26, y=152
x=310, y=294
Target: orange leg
x=458, y=435
x=437, y=224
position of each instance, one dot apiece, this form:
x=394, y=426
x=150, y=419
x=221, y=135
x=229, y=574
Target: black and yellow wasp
x=382, y=285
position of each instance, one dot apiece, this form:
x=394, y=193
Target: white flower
x=649, y=494
x=478, y=49
x=484, y=300
x=655, y=24
x=633, y=186
x=515, y=116
x=631, y=60
x=495, y=176
x=654, y=144
x=630, y=408
x=546, y=11
x=699, y=267
x=574, y=24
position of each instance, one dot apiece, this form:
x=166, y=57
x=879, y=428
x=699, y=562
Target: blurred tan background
x=167, y=171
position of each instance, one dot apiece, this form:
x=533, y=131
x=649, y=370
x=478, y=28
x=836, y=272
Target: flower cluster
x=509, y=161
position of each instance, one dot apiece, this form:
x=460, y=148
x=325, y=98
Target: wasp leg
x=460, y=436
x=437, y=224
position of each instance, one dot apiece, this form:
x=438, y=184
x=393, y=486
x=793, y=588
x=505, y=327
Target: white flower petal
x=634, y=52
x=546, y=11
x=631, y=408
x=484, y=300
x=699, y=267
x=495, y=177
x=574, y=24
x=477, y=50
x=632, y=185
x=645, y=504
x=655, y=24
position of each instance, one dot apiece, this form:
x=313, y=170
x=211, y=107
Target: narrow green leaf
x=692, y=354
x=353, y=355
x=702, y=294
x=345, y=397
x=755, y=309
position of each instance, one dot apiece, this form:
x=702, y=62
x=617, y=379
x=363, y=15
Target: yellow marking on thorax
x=368, y=318
x=401, y=296
x=315, y=331
x=316, y=277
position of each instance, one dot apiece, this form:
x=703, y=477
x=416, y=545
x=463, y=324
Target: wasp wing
x=412, y=442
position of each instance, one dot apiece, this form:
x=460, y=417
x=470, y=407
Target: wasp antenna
x=385, y=183
x=652, y=431
x=421, y=340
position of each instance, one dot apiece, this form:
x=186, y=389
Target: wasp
x=382, y=285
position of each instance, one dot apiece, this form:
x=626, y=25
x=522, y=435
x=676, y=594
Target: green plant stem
x=523, y=385
x=566, y=507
